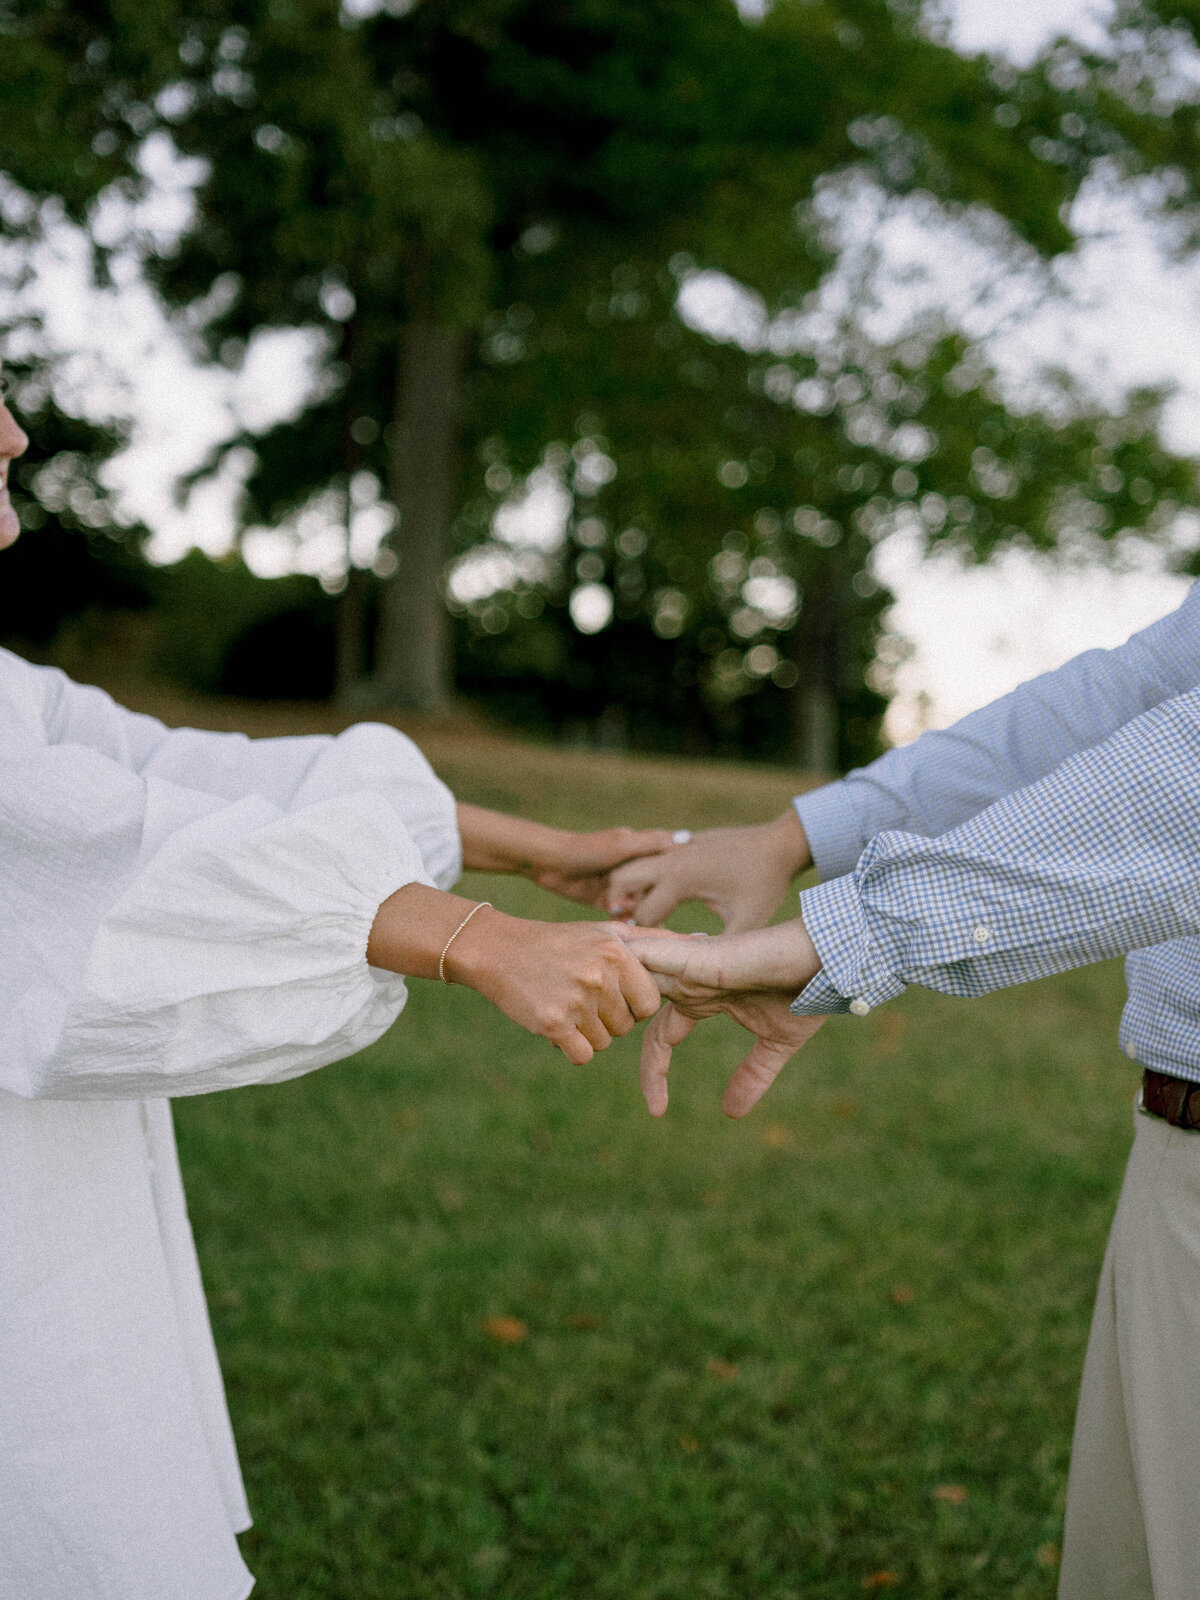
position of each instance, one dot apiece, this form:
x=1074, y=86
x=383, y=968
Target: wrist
x=545, y=849
x=474, y=953
x=786, y=839
x=412, y=928
x=779, y=957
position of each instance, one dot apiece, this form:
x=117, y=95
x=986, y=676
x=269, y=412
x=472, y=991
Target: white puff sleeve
x=292, y=772
x=183, y=912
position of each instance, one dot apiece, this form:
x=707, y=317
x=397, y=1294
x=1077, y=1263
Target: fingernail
x=681, y=836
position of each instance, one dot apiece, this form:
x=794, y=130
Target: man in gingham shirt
x=1058, y=826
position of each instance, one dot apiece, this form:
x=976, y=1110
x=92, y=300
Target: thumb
x=667, y=1029
x=657, y=904
x=630, y=933
x=661, y=952
x=754, y=1075
x=630, y=881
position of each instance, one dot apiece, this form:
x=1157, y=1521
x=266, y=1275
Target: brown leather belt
x=1176, y=1100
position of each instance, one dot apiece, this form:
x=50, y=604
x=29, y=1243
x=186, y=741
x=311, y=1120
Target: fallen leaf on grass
x=407, y=1120
x=689, y=1443
x=901, y=1294
x=1049, y=1555
x=505, y=1330
x=711, y=1197
x=842, y=1106
x=718, y=1367
x=775, y=1136
x=952, y=1494
x=583, y=1321
x=882, y=1580
x=890, y=1028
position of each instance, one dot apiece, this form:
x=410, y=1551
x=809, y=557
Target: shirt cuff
x=857, y=974
x=832, y=826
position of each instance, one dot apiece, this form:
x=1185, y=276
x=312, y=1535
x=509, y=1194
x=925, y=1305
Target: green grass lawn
x=489, y=1331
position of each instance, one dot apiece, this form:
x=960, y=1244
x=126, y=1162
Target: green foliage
x=541, y=176
x=217, y=626
x=76, y=558
x=753, y=1353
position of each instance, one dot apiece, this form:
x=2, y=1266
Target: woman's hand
x=576, y=984
x=751, y=977
x=580, y=865
x=741, y=874
x=575, y=865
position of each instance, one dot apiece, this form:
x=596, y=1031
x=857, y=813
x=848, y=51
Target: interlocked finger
x=616, y=1016
x=577, y=1049
x=753, y=1076
x=666, y=1030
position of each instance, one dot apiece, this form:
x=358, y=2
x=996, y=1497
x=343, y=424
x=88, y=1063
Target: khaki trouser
x=1133, y=1496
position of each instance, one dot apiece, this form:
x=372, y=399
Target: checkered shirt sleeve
x=1099, y=858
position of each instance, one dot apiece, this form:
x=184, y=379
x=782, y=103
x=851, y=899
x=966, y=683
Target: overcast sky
x=1131, y=319
x=979, y=633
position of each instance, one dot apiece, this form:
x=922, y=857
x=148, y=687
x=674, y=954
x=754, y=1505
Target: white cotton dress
x=179, y=912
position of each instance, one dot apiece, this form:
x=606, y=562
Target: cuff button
x=859, y=1008
x=980, y=934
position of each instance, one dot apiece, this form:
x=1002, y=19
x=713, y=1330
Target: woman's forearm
x=493, y=842
x=575, y=865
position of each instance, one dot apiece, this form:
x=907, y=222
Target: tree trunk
x=816, y=653
x=412, y=660
x=815, y=728
x=351, y=639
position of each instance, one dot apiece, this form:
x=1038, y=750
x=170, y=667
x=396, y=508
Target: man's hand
x=576, y=984
x=752, y=977
x=741, y=874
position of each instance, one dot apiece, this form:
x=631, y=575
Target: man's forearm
x=1093, y=861
x=949, y=775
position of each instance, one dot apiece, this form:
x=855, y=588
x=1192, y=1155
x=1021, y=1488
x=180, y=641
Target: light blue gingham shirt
x=1059, y=825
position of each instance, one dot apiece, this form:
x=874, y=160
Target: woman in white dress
x=182, y=912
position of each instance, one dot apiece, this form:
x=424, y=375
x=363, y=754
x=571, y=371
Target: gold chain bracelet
x=454, y=935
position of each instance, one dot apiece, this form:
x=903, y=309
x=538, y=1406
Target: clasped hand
x=752, y=977
x=580, y=985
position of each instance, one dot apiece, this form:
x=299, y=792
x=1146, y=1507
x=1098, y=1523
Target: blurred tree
x=79, y=559
x=477, y=200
